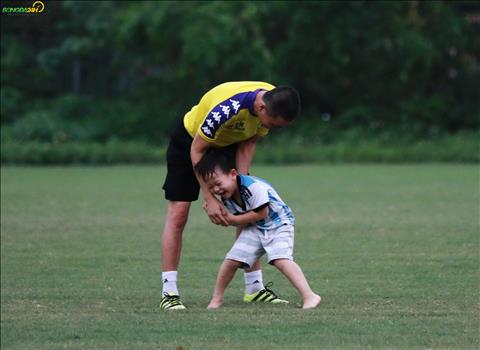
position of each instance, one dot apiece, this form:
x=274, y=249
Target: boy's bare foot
x=214, y=304
x=311, y=302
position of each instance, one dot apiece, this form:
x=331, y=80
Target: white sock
x=253, y=281
x=169, y=279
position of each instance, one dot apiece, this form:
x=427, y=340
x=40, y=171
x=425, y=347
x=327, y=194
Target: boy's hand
x=231, y=219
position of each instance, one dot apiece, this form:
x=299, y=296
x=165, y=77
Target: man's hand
x=215, y=211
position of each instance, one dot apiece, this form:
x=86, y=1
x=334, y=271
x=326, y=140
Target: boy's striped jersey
x=256, y=193
x=225, y=115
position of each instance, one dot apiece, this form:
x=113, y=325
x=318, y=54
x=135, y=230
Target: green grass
x=393, y=250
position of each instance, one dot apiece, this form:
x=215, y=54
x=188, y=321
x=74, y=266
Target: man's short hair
x=282, y=101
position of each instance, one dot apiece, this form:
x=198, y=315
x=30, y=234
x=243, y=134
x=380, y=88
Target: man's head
x=218, y=172
x=278, y=107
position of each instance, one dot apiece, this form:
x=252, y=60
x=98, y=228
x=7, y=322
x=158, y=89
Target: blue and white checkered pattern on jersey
x=255, y=194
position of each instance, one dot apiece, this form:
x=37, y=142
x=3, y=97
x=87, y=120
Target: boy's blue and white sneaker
x=265, y=295
x=171, y=301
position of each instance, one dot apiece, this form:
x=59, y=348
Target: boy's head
x=280, y=107
x=218, y=172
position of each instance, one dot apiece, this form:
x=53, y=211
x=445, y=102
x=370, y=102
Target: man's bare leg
x=177, y=216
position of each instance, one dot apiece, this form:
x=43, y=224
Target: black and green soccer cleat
x=171, y=301
x=265, y=295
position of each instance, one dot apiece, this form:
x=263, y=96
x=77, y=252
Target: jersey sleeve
x=259, y=197
x=223, y=112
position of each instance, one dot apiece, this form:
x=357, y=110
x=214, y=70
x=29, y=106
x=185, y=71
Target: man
x=232, y=117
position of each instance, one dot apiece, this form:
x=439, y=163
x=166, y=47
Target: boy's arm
x=247, y=218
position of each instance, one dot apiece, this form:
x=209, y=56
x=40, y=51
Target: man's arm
x=245, y=152
x=244, y=157
x=212, y=206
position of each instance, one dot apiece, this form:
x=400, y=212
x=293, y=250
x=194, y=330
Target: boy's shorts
x=181, y=183
x=253, y=243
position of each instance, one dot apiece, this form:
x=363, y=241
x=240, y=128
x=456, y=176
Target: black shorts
x=180, y=182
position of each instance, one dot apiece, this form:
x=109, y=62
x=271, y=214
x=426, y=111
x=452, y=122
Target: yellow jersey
x=225, y=115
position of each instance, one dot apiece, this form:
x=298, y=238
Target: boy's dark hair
x=283, y=101
x=213, y=159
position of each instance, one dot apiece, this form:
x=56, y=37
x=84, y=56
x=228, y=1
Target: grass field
x=393, y=250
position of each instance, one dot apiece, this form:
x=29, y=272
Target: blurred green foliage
x=94, y=71
x=353, y=146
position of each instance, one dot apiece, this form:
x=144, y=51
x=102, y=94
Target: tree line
x=126, y=70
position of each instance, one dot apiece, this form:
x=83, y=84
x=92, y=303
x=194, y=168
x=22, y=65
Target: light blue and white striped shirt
x=256, y=194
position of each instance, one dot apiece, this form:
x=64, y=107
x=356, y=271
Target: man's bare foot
x=311, y=302
x=214, y=304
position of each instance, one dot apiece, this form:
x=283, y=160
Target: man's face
x=223, y=184
x=270, y=122
x=274, y=123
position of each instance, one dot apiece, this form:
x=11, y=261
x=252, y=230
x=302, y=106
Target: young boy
x=267, y=226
